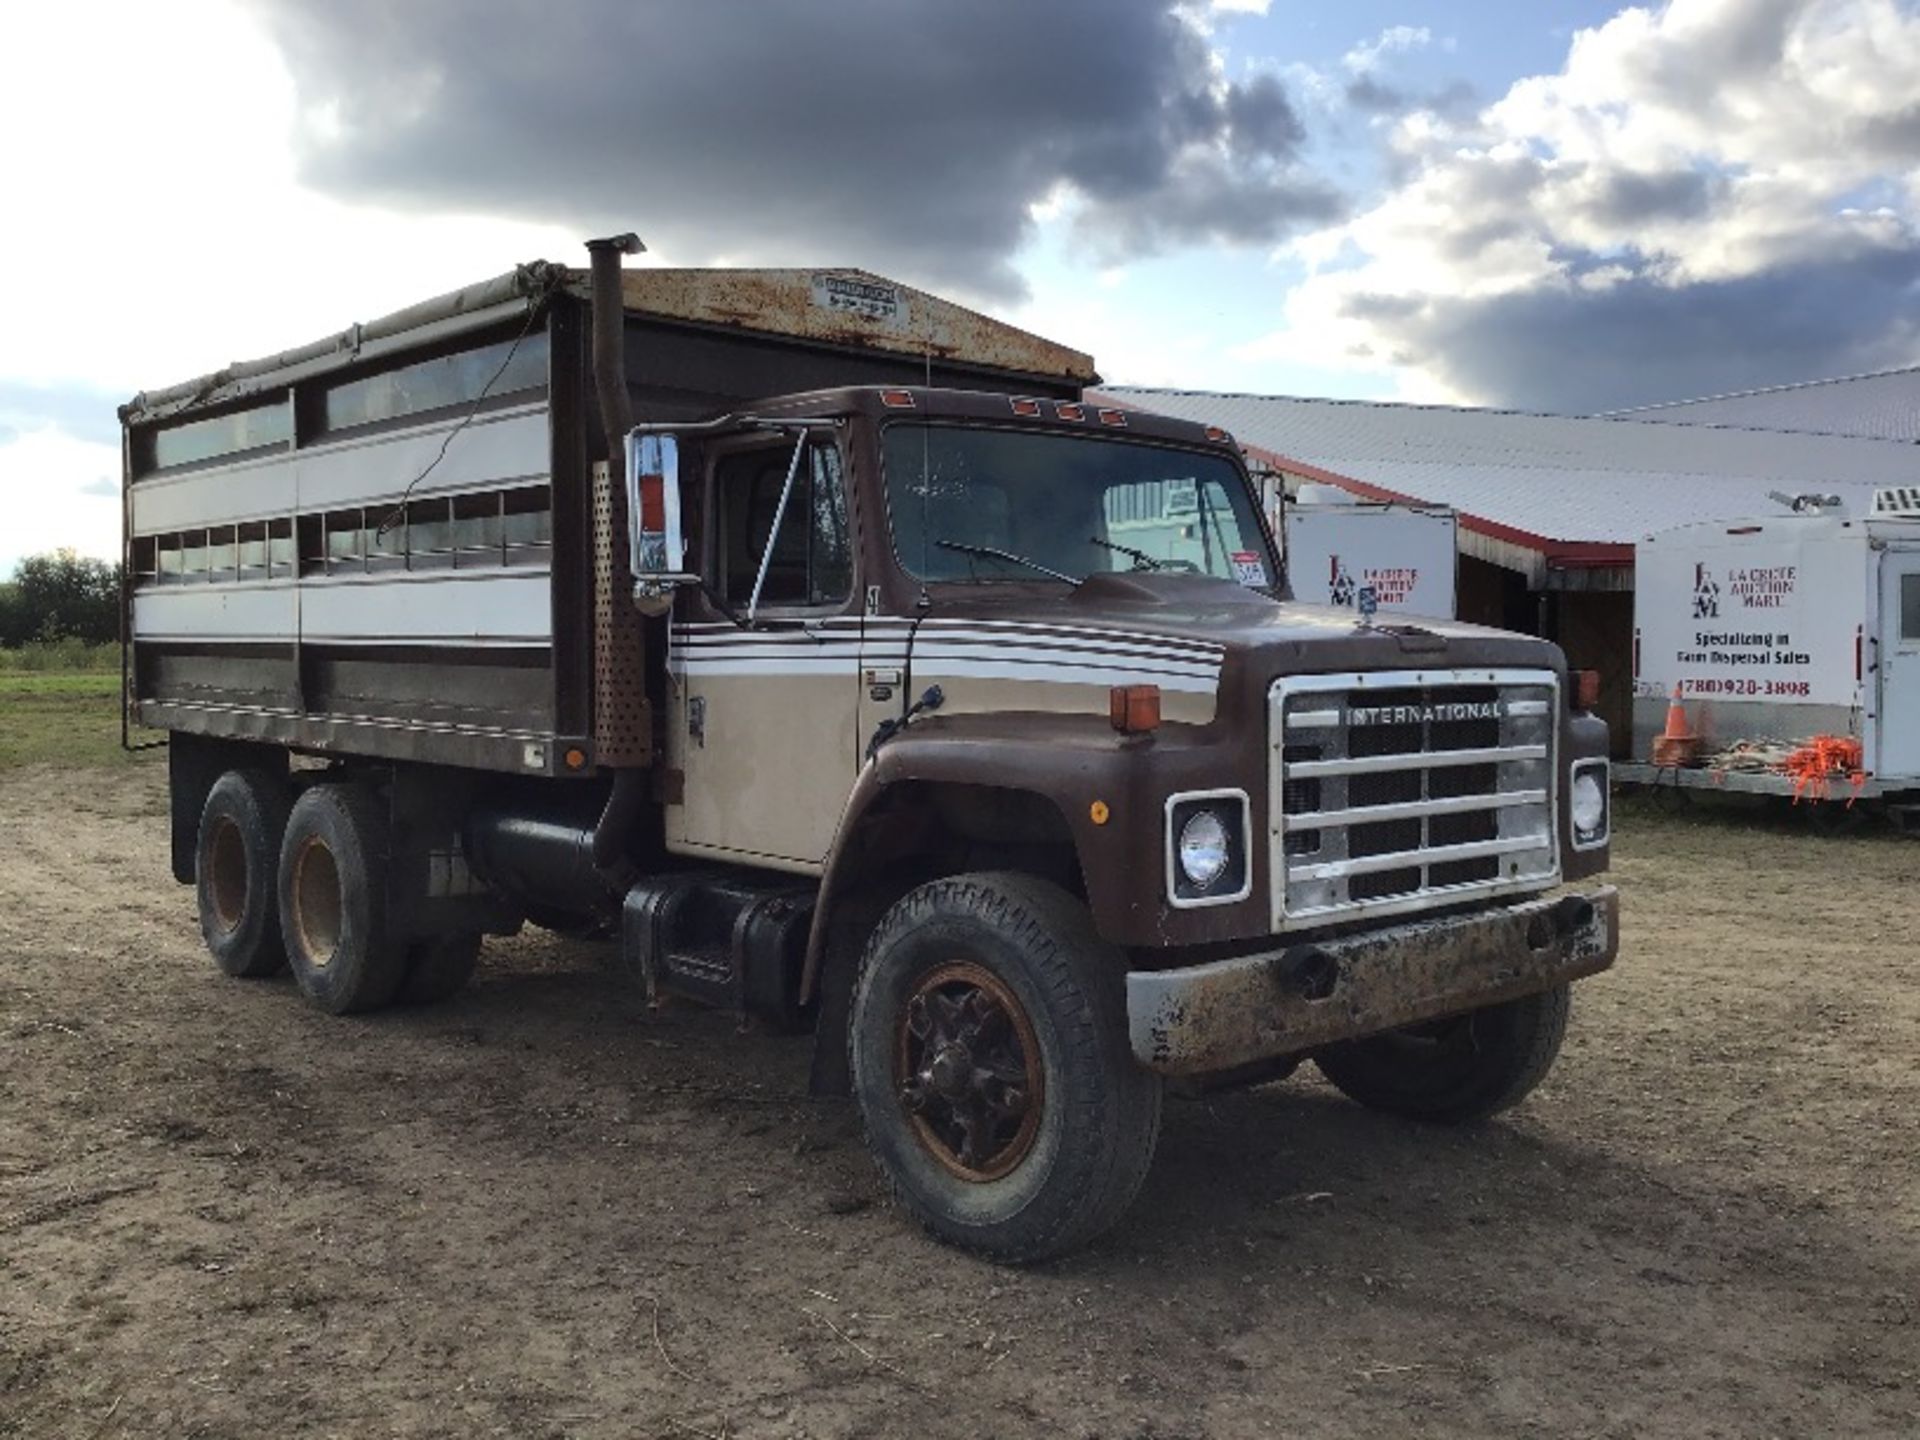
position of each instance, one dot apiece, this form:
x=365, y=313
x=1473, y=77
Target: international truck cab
x=969, y=725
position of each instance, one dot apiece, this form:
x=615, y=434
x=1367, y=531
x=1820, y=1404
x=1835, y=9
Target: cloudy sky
x=1536, y=203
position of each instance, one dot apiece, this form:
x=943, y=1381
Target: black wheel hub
x=968, y=1070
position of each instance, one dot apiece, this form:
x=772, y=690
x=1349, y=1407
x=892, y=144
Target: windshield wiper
x=1008, y=555
x=1141, y=559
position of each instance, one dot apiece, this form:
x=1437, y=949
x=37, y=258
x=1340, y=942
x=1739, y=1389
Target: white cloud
x=54, y=496
x=158, y=233
x=167, y=233
x=1241, y=7
x=1394, y=40
x=1698, y=166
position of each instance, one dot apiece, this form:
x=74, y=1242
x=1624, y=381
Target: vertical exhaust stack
x=622, y=717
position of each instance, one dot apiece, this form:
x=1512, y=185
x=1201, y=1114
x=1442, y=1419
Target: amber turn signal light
x=1586, y=689
x=1134, y=709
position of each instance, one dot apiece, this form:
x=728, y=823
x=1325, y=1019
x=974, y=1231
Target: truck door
x=763, y=713
x=1899, y=714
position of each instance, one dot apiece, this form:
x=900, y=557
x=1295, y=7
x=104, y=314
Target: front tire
x=1456, y=1070
x=989, y=1053
x=235, y=867
x=333, y=900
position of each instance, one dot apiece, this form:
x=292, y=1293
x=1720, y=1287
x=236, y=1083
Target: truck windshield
x=1076, y=505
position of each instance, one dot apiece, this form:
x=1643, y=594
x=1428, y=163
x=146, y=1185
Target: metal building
x=1550, y=506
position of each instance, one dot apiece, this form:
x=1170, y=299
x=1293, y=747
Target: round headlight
x=1205, y=849
x=1589, y=804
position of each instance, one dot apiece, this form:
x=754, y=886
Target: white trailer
x=1336, y=545
x=1782, y=628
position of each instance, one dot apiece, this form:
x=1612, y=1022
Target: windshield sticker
x=1248, y=568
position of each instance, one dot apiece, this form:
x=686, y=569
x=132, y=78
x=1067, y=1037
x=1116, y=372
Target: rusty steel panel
x=622, y=716
x=848, y=308
x=1217, y=1016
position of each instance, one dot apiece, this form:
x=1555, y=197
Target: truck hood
x=1256, y=635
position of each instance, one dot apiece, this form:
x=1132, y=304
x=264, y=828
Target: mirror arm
x=773, y=535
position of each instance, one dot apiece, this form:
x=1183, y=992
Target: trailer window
x=429, y=532
x=526, y=525
x=346, y=541
x=193, y=563
x=476, y=529
x=280, y=548
x=172, y=559
x=1910, y=606
x=491, y=372
x=218, y=437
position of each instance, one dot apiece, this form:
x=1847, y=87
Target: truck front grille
x=1403, y=790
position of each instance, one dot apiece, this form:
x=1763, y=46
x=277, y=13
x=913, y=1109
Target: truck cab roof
x=882, y=403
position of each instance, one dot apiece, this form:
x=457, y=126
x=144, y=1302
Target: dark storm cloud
x=1629, y=197
x=1577, y=351
x=1366, y=93
x=910, y=136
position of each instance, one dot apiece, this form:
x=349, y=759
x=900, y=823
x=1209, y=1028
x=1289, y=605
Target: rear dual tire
x=236, y=862
x=333, y=901
x=301, y=884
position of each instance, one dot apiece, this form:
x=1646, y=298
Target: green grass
x=60, y=718
x=48, y=656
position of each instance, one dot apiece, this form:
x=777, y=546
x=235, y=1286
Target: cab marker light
x=1134, y=709
x=1113, y=417
x=897, y=399
x=1067, y=410
x=1029, y=408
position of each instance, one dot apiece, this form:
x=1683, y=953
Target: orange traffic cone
x=1676, y=718
x=1678, y=745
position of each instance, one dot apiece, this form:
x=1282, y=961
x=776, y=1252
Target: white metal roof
x=1883, y=405
x=1567, y=480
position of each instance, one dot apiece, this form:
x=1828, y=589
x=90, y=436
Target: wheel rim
x=316, y=902
x=967, y=1071
x=227, y=874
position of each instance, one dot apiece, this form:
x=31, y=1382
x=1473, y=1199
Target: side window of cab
x=811, y=564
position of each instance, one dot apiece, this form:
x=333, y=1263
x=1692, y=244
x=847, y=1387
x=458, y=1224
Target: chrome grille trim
x=1415, y=760
x=1452, y=805
x=1373, y=834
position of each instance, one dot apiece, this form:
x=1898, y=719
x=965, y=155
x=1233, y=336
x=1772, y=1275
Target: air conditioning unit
x=1898, y=500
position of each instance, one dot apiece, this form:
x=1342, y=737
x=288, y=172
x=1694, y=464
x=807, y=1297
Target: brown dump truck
x=816, y=642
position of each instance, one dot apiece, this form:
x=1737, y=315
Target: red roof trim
x=1560, y=554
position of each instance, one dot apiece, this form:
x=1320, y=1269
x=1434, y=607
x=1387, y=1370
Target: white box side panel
x=224, y=494
x=215, y=612
x=494, y=450
x=505, y=608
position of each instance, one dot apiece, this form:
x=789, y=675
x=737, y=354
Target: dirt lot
x=541, y=1211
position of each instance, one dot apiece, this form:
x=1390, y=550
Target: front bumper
x=1207, y=1018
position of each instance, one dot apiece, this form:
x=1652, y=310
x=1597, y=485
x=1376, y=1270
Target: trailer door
x=1899, y=720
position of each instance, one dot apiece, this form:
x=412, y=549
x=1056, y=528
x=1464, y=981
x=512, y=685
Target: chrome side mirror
x=657, y=547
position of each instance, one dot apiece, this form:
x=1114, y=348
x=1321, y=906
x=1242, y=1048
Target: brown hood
x=1259, y=634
